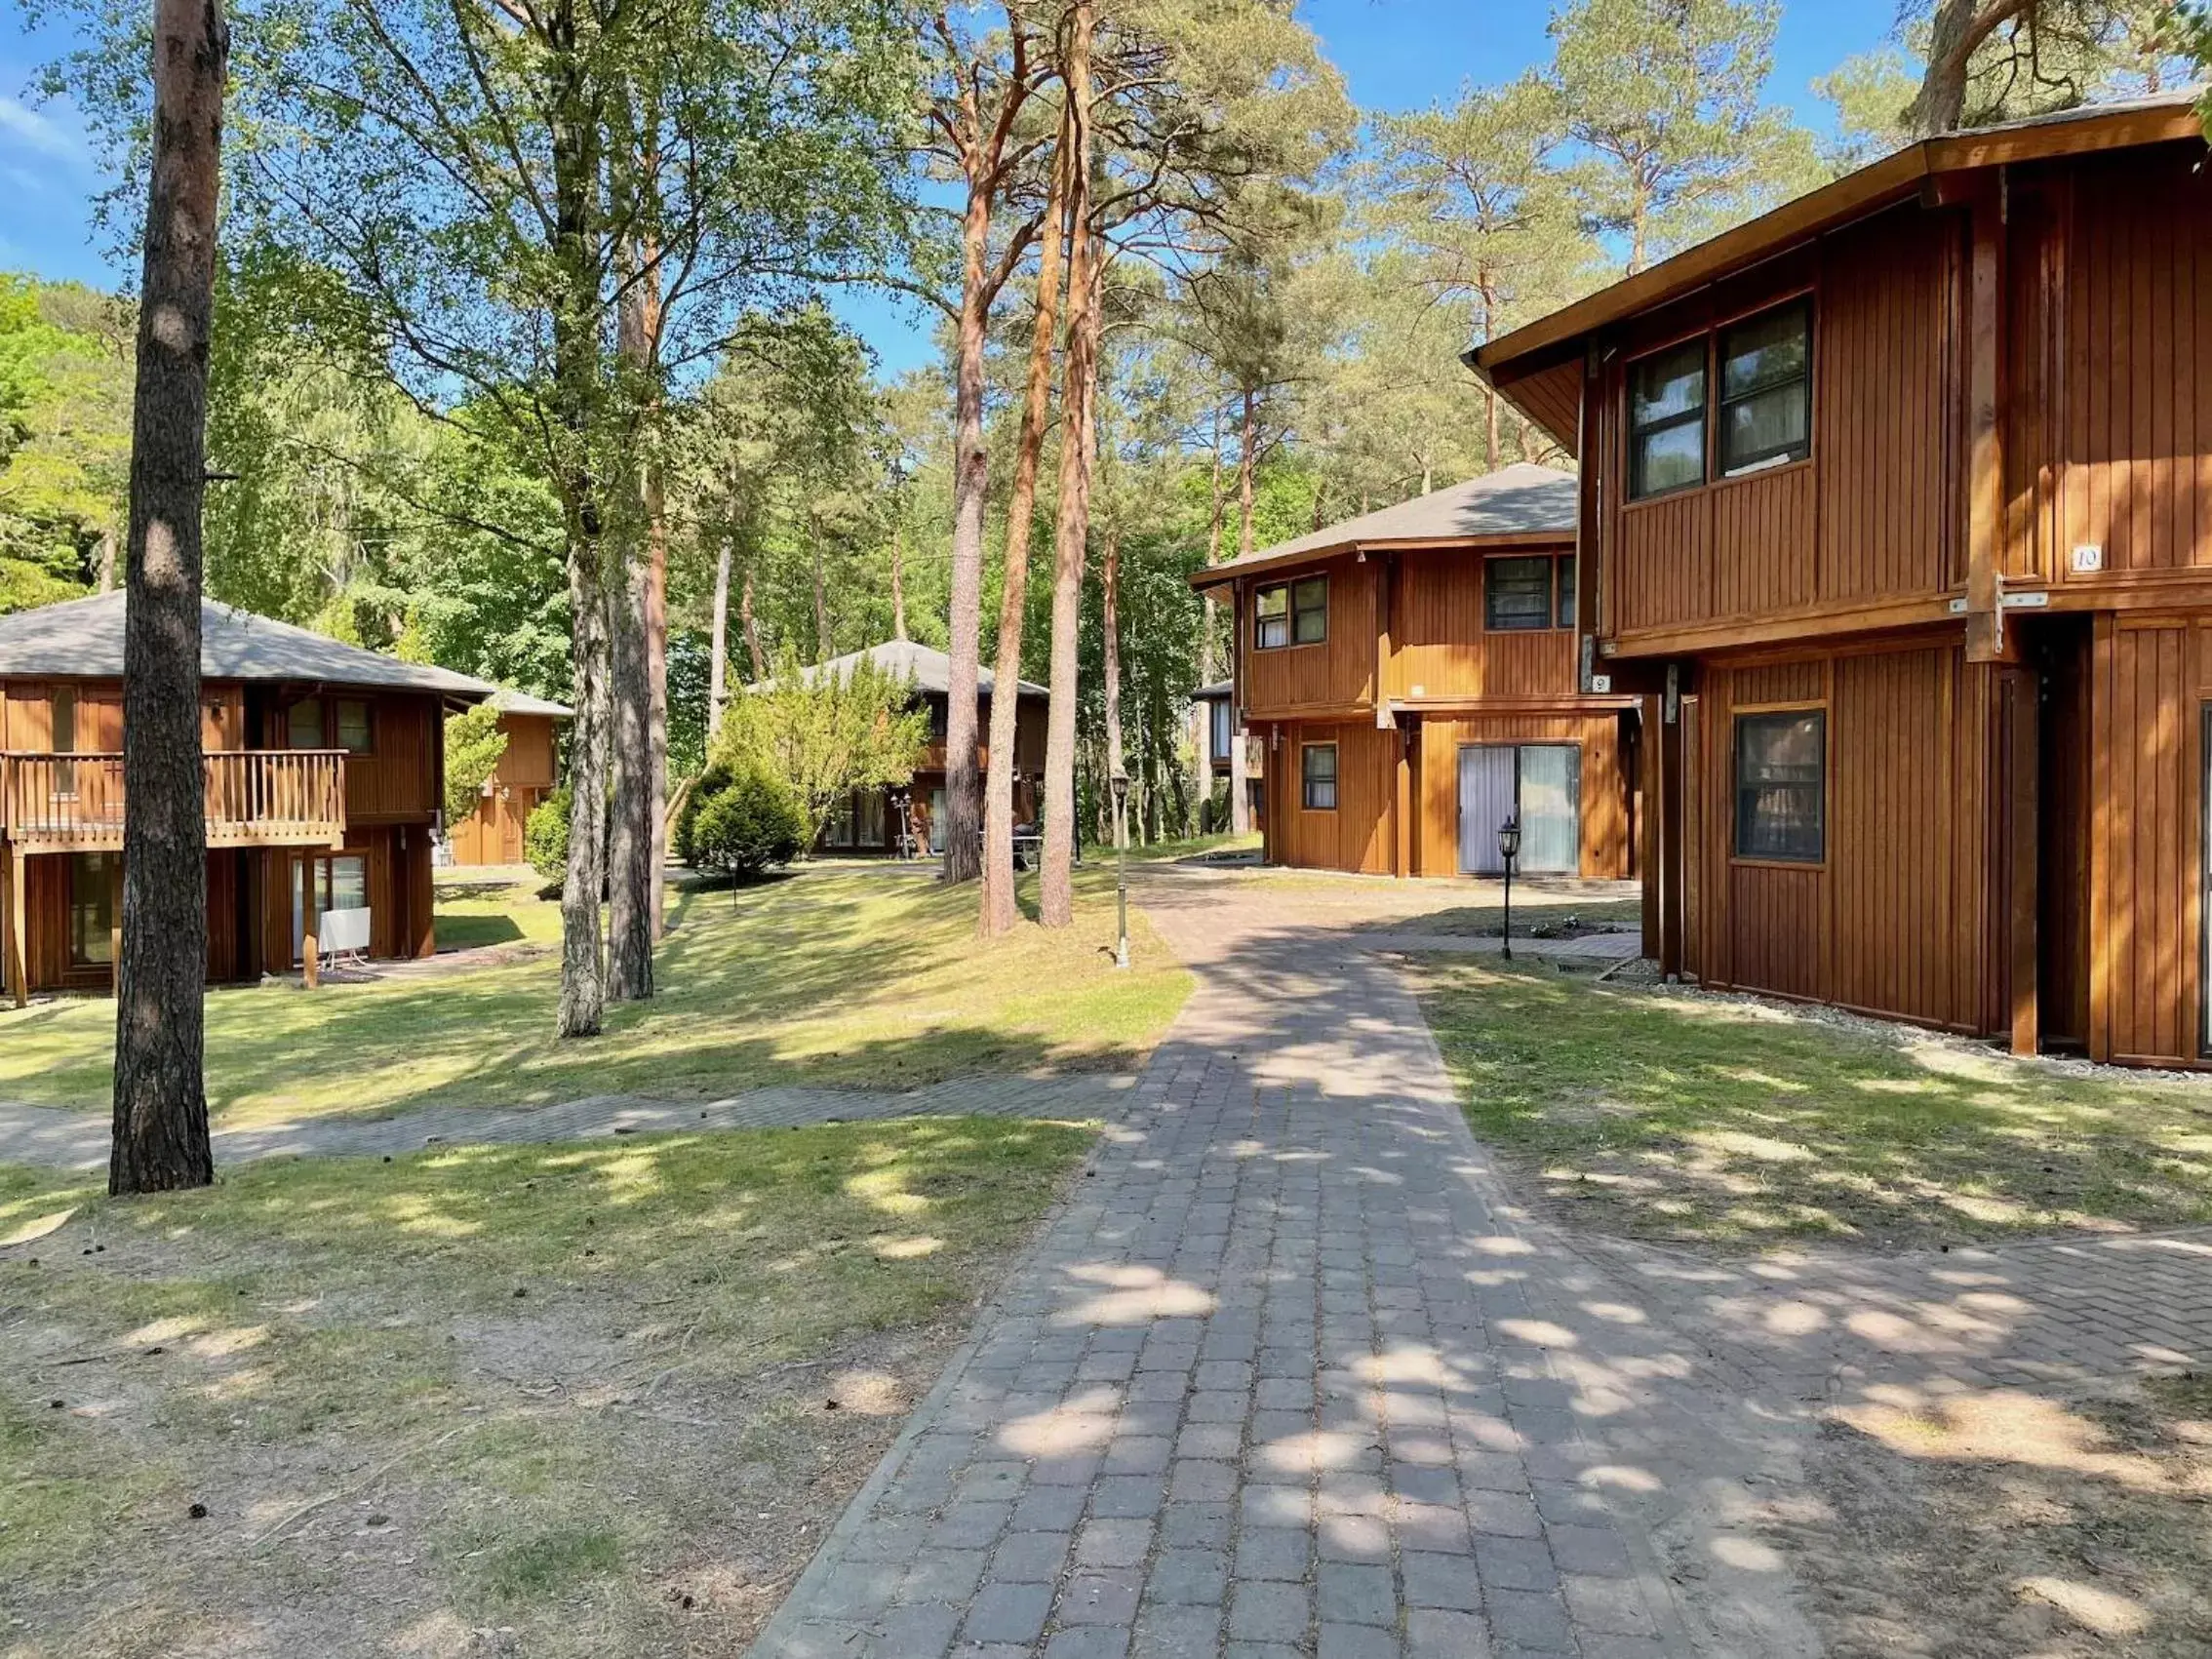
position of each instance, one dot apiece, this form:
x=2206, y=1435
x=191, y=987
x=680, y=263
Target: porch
x=255, y=798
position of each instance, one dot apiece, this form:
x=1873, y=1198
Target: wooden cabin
x=1408, y=680
x=324, y=777
x=909, y=819
x=1897, y=512
x=529, y=770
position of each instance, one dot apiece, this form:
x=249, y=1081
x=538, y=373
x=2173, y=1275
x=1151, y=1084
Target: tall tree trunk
x=579, y=393
x=1072, y=520
x=718, y=649
x=898, y=576
x=630, y=837
x=1110, y=631
x=971, y=468
x=1246, y=431
x=656, y=683
x=1959, y=29
x=160, y=1102
x=824, y=650
x=749, y=621
x=1000, y=911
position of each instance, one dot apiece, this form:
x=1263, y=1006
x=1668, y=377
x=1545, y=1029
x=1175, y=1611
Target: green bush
x=747, y=821
x=711, y=781
x=546, y=837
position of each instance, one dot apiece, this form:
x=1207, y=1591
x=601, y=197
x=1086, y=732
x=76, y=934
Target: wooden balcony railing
x=255, y=798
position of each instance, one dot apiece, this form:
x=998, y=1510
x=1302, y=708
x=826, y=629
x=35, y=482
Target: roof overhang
x=1221, y=575
x=1539, y=366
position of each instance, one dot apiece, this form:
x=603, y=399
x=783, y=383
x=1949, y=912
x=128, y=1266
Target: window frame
x=336, y=729
x=1221, y=729
x=1300, y=588
x=1543, y=622
x=1279, y=618
x=76, y=906
x=1739, y=720
x=1789, y=455
x=1701, y=413
x=321, y=721
x=1564, y=575
x=1307, y=780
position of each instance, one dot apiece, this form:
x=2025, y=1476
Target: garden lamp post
x=1508, y=848
x=1120, y=868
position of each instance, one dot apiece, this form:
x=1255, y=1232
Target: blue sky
x=1395, y=55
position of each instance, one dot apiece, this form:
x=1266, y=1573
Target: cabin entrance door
x=1538, y=783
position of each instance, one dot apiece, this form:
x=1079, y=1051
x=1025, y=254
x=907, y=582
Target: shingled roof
x=1521, y=501
x=82, y=638
x=928, y=668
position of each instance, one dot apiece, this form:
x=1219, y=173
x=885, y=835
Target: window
x=1782, y=786
x=1271, y=617
x=839, y=830
x=1537, y=785
x=1767, y=391
x=1667, y=421
x=1516, y=593
x=340, y=883
x=871, y=830
x=353, y=728
x=1316, y=778
x=64, y=738
x=1222, y=735
x=92, y=909
x=940, y=718
x=1308, y=610
x=1566, y=610
x=303, y=723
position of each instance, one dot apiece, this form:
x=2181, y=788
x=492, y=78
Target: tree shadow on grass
x=1695, y=1120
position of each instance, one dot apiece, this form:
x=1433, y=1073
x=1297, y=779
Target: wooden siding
x=1338, y=673
x=493, y=834
x=397, y=781
x=526, y=762
x=1865, y=519
x=2134, y=395
x=1359, y=834
x=1439, y=644
x=1895, y=919
x=2150, y=681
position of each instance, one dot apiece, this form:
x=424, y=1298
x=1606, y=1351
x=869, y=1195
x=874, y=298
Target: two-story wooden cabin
x=911, y=819
x=1897, y=505
x=1409, y=676
x=324, y=780
x=529, y=770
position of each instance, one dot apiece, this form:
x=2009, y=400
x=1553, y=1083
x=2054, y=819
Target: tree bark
x=579, y=397
x=898, y=576
x=631, y=833
x=971, y=467
x=1000, y=912
x=1072, y=519
x=1246, y=431
x=750, y=622
x=718, y=651
x=1959, y=29
x=824, y=650
x=160, y=1105
x=657, y=685
x=1110, y=630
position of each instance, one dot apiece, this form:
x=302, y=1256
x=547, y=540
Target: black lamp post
x=1508, y=848
x=1120, y=868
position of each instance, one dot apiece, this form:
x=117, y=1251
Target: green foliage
x=825, y=732
x=65, y=438
x=474, y=744
x=740, y=822
x=545, y=835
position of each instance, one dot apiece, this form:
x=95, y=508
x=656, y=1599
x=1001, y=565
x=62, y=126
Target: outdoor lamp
x=1508, y=848
x=1120, y=782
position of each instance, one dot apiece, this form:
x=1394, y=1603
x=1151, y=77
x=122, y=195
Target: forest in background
x=1256, y=380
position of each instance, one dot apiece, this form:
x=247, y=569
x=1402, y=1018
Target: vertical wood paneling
x=2134, y=415
x=1763, y=543
x=1441, y=645
x=1337, y=672
x=1604, y=784
x=1660, y=569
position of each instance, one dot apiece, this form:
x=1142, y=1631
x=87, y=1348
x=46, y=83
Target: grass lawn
x=494, y=906
x=1703, y=1121
x=600, y=1398
x=866, y=978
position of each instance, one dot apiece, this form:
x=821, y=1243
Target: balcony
x=255, y=798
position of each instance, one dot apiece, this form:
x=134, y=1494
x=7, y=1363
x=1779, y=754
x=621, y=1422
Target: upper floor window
x=303, y=723
x=64, y=722
x=1528, y=593
x=1767, y=390
x=1667, y=421
x=354, y=733
x=1222, y=729
x=1782, y=785
x=1290, y=613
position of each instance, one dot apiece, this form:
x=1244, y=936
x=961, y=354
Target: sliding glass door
x=1538, y=783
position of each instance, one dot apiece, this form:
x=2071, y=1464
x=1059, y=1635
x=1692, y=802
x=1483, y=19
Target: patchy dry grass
x=865, y=978
x=1987, y=1527
x=603, y=1398
x=1699, y=1120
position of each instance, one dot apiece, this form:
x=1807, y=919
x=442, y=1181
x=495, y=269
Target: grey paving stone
x=1099, y=1595
x=1354, y=1593
x=1273, y=1553
x=1265, y=1611
x=1030, y=1557
x=1008, y=1612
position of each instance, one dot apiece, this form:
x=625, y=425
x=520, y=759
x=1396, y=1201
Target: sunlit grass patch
x=859, y=978
x=555, y=1387
x=1684, y=1117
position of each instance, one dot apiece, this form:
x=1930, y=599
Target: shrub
x=546, y=837
x=711, y=781
x=749, y=823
